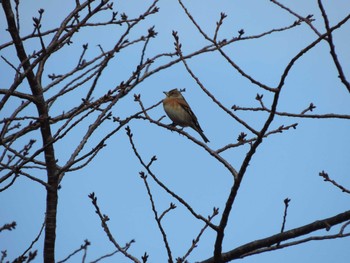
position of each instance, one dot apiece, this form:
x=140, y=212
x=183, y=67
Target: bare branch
x=104, y=218
x=178, y=198
x=326, y=178
x=308, y=19
x=197, y=239
x=158, y=220
x=286, y=204
x=242, y=140
x=35, y=240
x=126, y=247
x=10, y=226
x=329, y=39
x=296, y=115
x=82, y=248
x=243, y=250
x=301, y=241
x=171, y=207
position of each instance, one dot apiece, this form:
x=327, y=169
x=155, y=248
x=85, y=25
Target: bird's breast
x=176, y=113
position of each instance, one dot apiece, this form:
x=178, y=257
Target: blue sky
x=285, y=165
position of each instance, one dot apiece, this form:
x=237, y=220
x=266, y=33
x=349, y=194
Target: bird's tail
x=202, y=135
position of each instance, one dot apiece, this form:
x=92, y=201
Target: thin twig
x=171, y=207
x=219, y=48
x=163, y=186
x=251, y=140
x=286, y=203
x=197, y=239
x=326, y=178
x=10, y=64
x=36, y=238
x=308, y=20
x=82, y=247
x=126, y=247
x=295, y=115
x=157, y=219
x=9, y=226
x=330, y=41
x=104, y=218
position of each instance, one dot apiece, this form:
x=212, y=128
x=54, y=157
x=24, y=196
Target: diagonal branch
x=245, y=249
x=163, y=186
x=330, y=41
x=308, y=20
x=326, y=178
x=104, y=218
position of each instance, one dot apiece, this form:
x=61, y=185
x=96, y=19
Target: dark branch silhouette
x=32, y=129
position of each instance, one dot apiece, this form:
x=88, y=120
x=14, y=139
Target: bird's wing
x=183, y=103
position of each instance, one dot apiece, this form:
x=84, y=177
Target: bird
x=178, y=110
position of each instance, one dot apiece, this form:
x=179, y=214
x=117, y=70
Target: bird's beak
x=166, y=93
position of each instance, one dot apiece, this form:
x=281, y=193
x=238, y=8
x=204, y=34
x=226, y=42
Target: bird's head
x=174, y=93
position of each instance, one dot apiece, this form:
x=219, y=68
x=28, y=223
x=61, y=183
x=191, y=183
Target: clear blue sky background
x=286, y=165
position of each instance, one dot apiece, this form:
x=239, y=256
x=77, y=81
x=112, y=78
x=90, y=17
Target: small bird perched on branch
x=178, y=110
